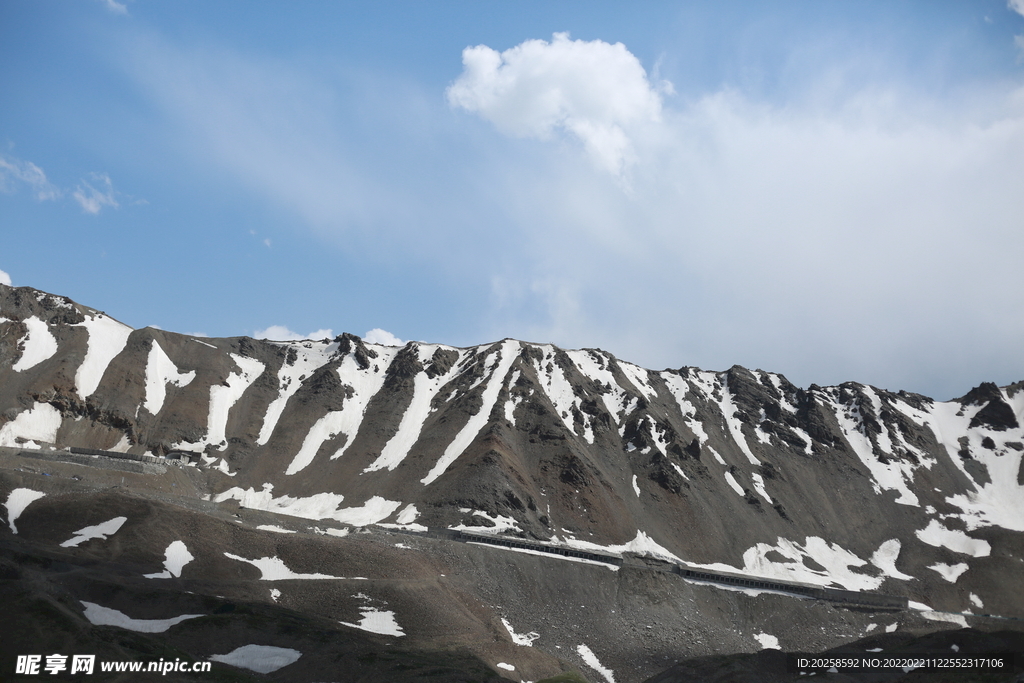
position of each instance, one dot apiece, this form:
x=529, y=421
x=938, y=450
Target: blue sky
x=830, y=190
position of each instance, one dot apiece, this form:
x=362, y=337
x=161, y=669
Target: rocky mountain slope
x=850, y=486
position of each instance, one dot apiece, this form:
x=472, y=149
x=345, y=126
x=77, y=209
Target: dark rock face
x=848, y=486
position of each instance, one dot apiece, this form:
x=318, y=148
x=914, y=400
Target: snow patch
x=262, y=659
x=885, y=559
x=104, y=616
x=274, y=528
x=939, y=536
x=108, y=528
x=524, y=639
x=38, y=345
x=176, y=556
x=591, y=660
x=17, y=501
x=462, y=440
x=636, y=487
x=161, y=371
x=310, y=357
x=38, y=423
x=107, y=338
x=408, y=514
x=318, y=506
x=506, y=667
x=411, y=426
x=768, y=642
x=376, y=621
x=365, y=384
x=274, y=569
x=950, y=572
x=733, y=484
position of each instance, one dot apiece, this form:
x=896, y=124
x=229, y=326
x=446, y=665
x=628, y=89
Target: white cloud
x=826, y=244
x=92, y=200
x=1017, y=6
x=14, y=172
x=5, y=279
x=594, y=90
x=383, y=337
x=282, y=333
x=115, y=7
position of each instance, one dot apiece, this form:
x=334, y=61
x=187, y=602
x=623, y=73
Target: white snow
x=560, y=391
x=502, y=523
x=262, y=659
x=950, y=572
x=999, y=502
x=592, y=365
x=759, y=487
x=680, y=471
x=641, y=545
x=108, y=528
x=717, y=457
x=768, y=642
x=893, y=475
x=310, y=356
x=161, y=371
x=408, y=514
x=509, y=352
x=17, y=501
x=274, y=569
x=39, y=344
x=958, y=619
x=275, y=594
x=318, y=506
x=524, y=639
x=364, y=383
x=976, y=601
x=411, y=426
x=377, y=621
x=222, y=398
x=553, y=556
x=636, y=487
x=591, y=660
x=38, y=423
x=107, y=338
x=733, y=484
x=274, y=528
x=640, y=377
x=729, y=410
x=892, y=627
x=836, y=560
x=885, y=559
x=176, y=556
x=939, y=536
x=678, y=387
x=506, y=667
x=104, y=616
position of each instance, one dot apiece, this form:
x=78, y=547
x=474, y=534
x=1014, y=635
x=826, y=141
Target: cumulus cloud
x=1017, y=6
x=593, y=90
x=5, y=279
x=282, y=333
x=382, y=337
x=91, y=199
x=15, y=173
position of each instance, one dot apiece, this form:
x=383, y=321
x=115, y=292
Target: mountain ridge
x=851, y=486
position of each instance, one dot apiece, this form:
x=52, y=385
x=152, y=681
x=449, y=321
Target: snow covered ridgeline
x=385, y=428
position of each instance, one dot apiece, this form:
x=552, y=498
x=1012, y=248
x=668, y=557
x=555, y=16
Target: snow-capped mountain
x=850, y=486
